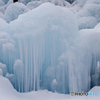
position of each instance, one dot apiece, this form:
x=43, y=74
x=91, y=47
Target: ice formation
x=10, y=11
x=54, y=85
x=1, y=73
x=93, y=9
x=43, y=48
x=37, y=45
x=14, y=10
x=3, y=69
x=87, y=22
x=1, y=3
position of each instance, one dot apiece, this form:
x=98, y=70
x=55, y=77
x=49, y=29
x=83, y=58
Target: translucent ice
x=54, y=85
x=40, y=37
x=14, y=10
x=1, y=72
x=87, y=22
x=3, y=67
x=44, y=49
x=93, y=9
x=1, y=3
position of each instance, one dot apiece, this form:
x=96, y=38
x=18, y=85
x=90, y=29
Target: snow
x=34, y=4
x=1, y=3
x=52, y=46
x=87, y=22
x=1, y=73
x=3, y=68
x=81, y=2
x=93, y=9
x=93, y=2
x=83, y=13
x=14, y=10
x=97, y=26
x=3, y=25
x=7, y=92
x=56, y=2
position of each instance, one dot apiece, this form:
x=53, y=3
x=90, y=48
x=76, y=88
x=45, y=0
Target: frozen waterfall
x=43, y=49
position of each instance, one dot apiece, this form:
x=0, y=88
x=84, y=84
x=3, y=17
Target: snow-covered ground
x=7, y=92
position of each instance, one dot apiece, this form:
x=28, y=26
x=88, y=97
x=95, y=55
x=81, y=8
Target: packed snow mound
x=3, y=8
x=83, y=13
x=78, y=5
x=97, y=26
x=39, y=13
x=59, y=2
x=37, y=2
x=89, y=16
x=87, y=22
x=95, y=89
x=6, y=87
x=94, y=10
x=10, y=11
x=5, y=1
x=14, y=10
x=81, y=2
x=34, y=4
x=7, y=92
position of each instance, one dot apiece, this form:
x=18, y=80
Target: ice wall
x=43, y=49
x=39, y=38
x=41, y=42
